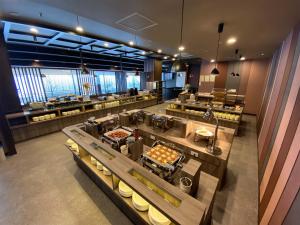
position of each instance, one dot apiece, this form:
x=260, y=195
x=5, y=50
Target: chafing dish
x=163, y=122
x=163, y=159
x=117, y=137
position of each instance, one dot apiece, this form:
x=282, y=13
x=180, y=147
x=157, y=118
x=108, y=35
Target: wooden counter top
x=189, y=212
x=199, y=106
x=224, y=141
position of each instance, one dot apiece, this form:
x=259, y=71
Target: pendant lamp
x=215, y=71
x=235, y=74
x=178, y=65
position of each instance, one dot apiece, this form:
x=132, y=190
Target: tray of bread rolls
x=164, y=156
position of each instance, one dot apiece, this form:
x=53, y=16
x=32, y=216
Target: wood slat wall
x=279, y=137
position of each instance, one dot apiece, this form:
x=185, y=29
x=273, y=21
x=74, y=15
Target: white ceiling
x=258, y=25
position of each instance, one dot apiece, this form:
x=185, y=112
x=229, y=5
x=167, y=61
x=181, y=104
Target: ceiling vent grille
x=136, y=22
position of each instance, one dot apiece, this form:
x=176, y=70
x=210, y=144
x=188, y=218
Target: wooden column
x=10, y=102
x=153, y=69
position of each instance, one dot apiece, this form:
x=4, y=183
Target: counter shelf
x=180, y=207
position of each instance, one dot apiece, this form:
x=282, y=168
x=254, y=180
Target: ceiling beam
x=53, y=38
x=6, y=30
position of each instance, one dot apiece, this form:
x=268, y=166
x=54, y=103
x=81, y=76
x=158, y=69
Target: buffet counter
x=215, y=165
x=30, y=124
x=170, y=204
x=228, y=117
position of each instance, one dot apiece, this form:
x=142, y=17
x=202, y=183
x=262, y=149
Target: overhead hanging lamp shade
x=179, y=66
x=215, y=71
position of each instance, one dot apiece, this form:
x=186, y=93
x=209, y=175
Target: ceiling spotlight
x=34, y=30
x=212, y=60
x=143, y=53
x=36, y=60
x=159, y=51
x=242, y=58
x=231, y=40
x=181, y=48
x=131, y=43
x=173, y=59
x=106, y=44
x=166, y=57
x=175, y=55
x=79, y=29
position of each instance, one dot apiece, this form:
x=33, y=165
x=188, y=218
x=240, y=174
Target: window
x=106, y=81
x=29, y=84
x=58, y=82
x=133, y=81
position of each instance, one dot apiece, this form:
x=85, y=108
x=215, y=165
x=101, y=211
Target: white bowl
x=156, y=217
x=99, y=166
x=93, y=161
x=125, y=190
x=106, y=171
x=139, y=203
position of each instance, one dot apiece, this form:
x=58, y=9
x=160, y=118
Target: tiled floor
x=43, y=185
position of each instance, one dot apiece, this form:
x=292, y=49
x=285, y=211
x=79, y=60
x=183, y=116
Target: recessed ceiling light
x=173, y=59
x=175, y=55
x=143, y=53
x=242, y=58
x=166, y=57
x=106, y=44
x=181, y=48
x=34, y=30
x=212, y=60
x=131, y=43
x=231, y=40
x=159, y=51
x=79, y=29
x=36, y=60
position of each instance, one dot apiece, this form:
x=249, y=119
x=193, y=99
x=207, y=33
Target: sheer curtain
x=121, y=81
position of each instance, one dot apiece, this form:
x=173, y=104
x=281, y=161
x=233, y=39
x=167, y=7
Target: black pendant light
x=215, y=71
x=236, y=57
x=178, y=65
x=83, y=68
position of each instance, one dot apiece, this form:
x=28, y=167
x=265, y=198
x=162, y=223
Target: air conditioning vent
x=136, y=22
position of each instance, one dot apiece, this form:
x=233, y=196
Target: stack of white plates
x=69, y=142
x=124, y=190
x=156, y=217
x=99, y=166
x=106, y=172
x=93, y=161
x=139, y=203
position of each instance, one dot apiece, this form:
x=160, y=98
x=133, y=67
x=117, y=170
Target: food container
x=124, y=149
x=99, y=166
x=47, y=117
x=93, y=161
x=41, y=118
x=35, y=118
x=139, y=203
x=202, y=132
x=106, y=171
x=125, y=190
x=64, y=113
x=156, y=217
x=52, y=116
x=185, y=184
